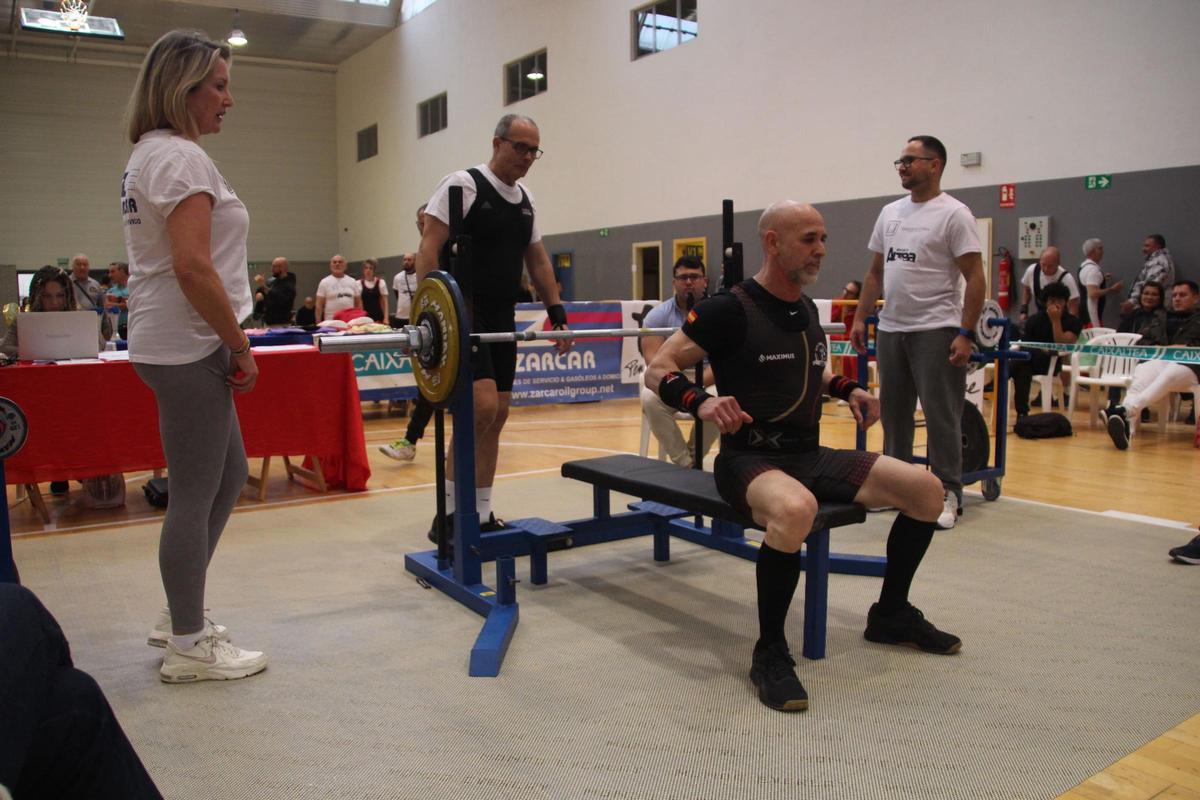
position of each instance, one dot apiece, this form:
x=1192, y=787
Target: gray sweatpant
x=916, y=365
x=206, y=469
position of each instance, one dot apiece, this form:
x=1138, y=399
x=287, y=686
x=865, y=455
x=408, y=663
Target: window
x=368, y=142
x=663, y=25
x=525, y=77
x=432, y=114
x=410, y=8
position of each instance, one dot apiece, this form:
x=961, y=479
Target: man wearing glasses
x=499, y=216
x=925, y=245
x=691, y=282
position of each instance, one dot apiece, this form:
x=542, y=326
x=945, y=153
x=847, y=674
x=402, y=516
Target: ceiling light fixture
x=236, y=37
x=536, y=75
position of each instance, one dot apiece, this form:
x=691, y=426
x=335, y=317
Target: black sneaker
x=773, y=673
x=1118, y=428
x=432, y=535
x=492, y=525
x=909, y=628
x=1188, y=553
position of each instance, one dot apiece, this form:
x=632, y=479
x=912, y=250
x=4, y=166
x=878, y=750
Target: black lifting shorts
x=832, y=475
x=495, y=361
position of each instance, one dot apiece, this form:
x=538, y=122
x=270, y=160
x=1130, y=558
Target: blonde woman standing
x=185, y=233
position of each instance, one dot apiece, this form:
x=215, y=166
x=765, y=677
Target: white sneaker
x=210, y=660
x=400, y=450
x=162, y=629
x=950, y=512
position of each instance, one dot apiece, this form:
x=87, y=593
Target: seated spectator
x=59, y=737
x=306, y=315
x=280, y=295
x=1154, y=380
x=49, y=290
x=337, y=291
x=373, y=291
x=1150, y=307
x=690, y=280
x=1053, y=324
x=1047, y=270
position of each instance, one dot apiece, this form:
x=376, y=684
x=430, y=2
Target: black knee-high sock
x=777, y=574
x=906, y=546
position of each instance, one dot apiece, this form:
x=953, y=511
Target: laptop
x=57, y=335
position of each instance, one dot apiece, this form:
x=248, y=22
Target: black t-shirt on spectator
x=1039, y=328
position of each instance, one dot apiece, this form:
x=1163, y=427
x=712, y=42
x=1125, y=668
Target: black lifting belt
x=773, y=439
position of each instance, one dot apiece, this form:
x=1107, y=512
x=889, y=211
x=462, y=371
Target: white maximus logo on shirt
x=776, y=357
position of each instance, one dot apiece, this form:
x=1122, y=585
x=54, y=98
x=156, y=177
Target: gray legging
x=206, y=465
x=912, y=365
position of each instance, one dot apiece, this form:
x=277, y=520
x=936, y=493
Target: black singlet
x=771, y=355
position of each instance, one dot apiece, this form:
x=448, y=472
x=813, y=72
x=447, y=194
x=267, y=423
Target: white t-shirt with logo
x=405, y=286
x=922, y=286
x=439, y=204
x=165, y=169
x=339, y=293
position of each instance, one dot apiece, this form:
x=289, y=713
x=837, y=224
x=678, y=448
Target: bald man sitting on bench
x=768, y=352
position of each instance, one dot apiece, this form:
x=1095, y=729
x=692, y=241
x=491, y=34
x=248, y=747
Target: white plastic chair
x=1049, y=385
x=1107, y=373
x=1086, y=360
x=1168, y=408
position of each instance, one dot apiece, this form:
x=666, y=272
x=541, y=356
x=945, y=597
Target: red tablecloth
x=96, y=419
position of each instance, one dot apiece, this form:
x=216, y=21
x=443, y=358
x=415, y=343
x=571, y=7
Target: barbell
x=439, y=338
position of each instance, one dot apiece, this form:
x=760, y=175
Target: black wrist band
x=842, y=387
x=557, y=315
x=678, y=392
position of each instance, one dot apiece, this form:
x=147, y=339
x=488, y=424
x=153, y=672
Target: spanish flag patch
x=691, y=317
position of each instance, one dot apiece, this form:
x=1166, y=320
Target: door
x=564, y=274
x=647, y=270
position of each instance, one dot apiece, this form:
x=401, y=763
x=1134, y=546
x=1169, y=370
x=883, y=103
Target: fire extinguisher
x=1004, y=280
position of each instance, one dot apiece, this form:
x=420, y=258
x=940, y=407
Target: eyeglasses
x=525, y=149
x=907, y=161
x=690, y=277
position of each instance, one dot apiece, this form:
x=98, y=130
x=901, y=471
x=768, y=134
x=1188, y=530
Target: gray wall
x=1139, y=203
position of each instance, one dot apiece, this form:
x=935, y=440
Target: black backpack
x=1049, y=425
x=155, y=490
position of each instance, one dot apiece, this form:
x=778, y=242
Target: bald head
x=1050, y=260
x=793, y=241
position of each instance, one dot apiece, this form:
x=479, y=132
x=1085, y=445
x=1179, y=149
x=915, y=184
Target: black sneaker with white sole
x=1187, y=553
x=908, y=627
x=1118, y=428
x=773, y=673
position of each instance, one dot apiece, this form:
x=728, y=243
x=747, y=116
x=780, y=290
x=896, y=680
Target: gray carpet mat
x=627, y=679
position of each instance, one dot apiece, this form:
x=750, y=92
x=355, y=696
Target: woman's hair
x=176, y=64
x=38, y=283
x=1154, y=285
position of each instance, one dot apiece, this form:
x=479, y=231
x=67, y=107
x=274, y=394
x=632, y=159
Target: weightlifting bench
x=671, y=493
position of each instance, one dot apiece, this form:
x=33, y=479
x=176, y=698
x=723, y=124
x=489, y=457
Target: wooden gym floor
x=1157, y=478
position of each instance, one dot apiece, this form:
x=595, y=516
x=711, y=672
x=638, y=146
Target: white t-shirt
x=339, y=293
x=165, y=169
x=405, y=286
x=922, y=286
x=1061, y=274
x=439, y=204
x=1090, y=274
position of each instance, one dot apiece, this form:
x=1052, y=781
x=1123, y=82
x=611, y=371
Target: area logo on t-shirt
x=691, y=317
x=820, y=355
x=900, y=254
x=892, y=227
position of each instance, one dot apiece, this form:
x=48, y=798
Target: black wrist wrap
x=842, y=387
x=557, y=315
x=678, y=392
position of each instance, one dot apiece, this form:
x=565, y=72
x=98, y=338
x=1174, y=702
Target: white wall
x=62, y=151
x=775, y=98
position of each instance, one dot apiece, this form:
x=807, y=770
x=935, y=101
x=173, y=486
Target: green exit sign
x=1098, y=181
x=603, y=232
